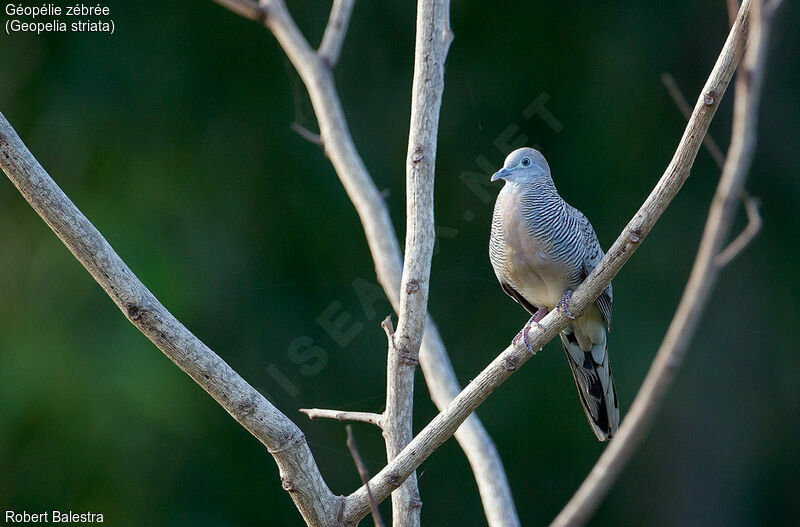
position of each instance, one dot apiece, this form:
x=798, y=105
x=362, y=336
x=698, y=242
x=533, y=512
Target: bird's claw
x=563, y=304
x=539, y=315
x=524, y=334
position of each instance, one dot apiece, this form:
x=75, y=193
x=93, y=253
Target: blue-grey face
x=522, y=165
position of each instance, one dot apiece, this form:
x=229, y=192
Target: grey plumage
x=541, y=248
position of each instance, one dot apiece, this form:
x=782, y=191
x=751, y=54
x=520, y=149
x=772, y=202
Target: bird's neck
x=540, y=189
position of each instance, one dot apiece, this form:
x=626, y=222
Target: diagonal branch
x=686, y=110
x=382, y=240
x=335, y=31
x=510, y=360
x=299, y=473
x=702, y=279
x=404, y=345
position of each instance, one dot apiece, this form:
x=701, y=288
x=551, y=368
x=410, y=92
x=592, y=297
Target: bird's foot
x=524, y=333
x=538, y=316
x=563, y=304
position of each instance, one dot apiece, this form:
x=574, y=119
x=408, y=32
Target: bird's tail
x=592, y=373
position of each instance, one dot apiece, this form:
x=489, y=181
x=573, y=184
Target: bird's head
x=523, y=165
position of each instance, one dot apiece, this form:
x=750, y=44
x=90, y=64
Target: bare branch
x=698, y=289
x=404, y=345
x=245, y=8
x=383, y=244
x=510, y=360
x=362, y=471
x=746, y=236
x=339, y=415
x=683, y=105
x=306, y=134
x=299, y=473
x=335, y=31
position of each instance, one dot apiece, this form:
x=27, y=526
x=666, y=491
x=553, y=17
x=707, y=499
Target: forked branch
x=382, y=240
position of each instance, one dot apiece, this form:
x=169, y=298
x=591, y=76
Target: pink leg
x=563, y=304
x=539, y=315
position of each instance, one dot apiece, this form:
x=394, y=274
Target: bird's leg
x=539, y=315
x=563, y=304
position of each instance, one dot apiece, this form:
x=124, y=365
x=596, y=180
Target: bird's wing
x=593, y=255
x=513, y=293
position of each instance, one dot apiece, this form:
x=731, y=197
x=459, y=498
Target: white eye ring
x=526, y=161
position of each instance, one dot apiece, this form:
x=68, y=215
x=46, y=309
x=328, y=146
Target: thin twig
x=698, y=289
x=339, y=415
x=685, y=109
x=245, y=8
x=744, y=238
x=371, y=207
x=307, y=134
x=299, y=472
x=335, y=32
x=364, y=473
x=509, y=361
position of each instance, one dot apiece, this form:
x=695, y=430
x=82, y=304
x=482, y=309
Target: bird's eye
x=526, y=161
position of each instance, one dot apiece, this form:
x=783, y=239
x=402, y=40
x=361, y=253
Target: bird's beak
x=501, y=174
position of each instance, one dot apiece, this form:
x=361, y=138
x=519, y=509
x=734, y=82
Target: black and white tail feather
x=595, y=382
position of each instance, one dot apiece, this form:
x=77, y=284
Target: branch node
x=263, y=13
x=292, y=441
x=408, y=357
x=708, y=98
x=510, y=364
x=388, y=328
x=634, y=235
x=418, y=154
x=246, y=408
x=287, y=485
x=135, y=311
x=412, y=286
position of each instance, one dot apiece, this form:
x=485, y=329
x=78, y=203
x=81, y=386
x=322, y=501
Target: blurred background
x=173, y=136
